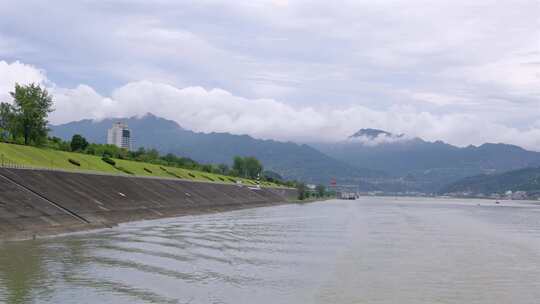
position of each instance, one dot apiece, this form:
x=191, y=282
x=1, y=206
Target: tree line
x=246, y=167
x=319, y=191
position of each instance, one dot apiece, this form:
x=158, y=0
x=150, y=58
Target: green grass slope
x=27, y=156
x=527, y=179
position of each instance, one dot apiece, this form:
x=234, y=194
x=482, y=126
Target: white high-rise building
x=119, y=135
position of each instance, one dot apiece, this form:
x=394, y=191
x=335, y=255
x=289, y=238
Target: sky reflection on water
x=373, y=250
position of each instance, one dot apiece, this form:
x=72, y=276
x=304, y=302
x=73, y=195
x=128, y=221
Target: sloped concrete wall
x=44, y=202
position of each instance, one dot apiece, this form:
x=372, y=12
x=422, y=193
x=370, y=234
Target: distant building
x=519, y=195
x=120, y=136
x=347, y=195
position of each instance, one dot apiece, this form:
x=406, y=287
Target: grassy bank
x=54, y=159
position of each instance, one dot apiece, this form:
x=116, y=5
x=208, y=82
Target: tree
x=239, y=166
x=321, y=190
x=253, y=167
x=6, y=120
x=272, y=176
x=207, y=168
x=151, y=155
x=78, y=143
x=31, y=106
x=301, y=188
x=247, y=167
x=223, y=169
x=58, y=144
x=137, y=155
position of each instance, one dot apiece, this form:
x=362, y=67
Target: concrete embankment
x=35, y=203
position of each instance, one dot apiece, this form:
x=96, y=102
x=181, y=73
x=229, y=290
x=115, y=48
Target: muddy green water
x=373, y=250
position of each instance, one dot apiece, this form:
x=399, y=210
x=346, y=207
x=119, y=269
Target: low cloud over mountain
x=373, y=137
x=465, y=72
x=217, y=110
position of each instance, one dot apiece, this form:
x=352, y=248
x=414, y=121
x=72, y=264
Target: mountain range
x=290, y=160
x=375, y=159
x=426, y=166
x=527, y=179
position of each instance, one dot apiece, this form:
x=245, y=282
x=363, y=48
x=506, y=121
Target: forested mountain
x=291, y=160
x=424, y=165
x=376, y=159
x=527, y=179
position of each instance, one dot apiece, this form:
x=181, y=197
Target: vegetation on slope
x=428, y=166
x=527, y=179
x=12, y=154
x=292, y=161
x=25, y=142
x=23, y=123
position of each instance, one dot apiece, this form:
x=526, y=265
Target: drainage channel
x=64, y=209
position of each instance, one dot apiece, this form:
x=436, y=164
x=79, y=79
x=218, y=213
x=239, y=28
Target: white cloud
x=461, y=71
x=416, y=45
x=517, y=73
x=78, y=103
x=209, y=110
x=440, y=99
x=217, y=110
x=379, y=139
x=16, y=72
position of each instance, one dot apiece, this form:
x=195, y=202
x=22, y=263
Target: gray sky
x=465, y=72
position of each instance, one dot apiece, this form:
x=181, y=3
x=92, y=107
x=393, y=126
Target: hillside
x=429, y=166
x=527, y=179
x=27, y=156
x=370, y=157
x=291, y=160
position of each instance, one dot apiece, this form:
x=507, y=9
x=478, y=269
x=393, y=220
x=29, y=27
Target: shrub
x=109, y=161
x=74, y=162
x=221, y=179
x=231, y=179
x=170, y=173
x=192, y=175
x=174, y=174
x=148, y=170
x=124, y=170
x=208, y=178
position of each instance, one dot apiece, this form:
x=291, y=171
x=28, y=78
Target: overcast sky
x=462, y=71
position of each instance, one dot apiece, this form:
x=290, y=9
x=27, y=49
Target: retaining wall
x=36, y=202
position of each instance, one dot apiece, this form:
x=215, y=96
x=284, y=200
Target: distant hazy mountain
x=527, y=179
x=292, y=161
x=424, y=165
x=411, y=164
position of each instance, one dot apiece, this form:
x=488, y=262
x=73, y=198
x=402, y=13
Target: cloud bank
x=462, y=71
x=217, y=110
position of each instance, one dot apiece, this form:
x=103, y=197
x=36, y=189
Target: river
x=372, y=250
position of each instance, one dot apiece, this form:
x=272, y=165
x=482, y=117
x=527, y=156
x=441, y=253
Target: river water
x=372, y=250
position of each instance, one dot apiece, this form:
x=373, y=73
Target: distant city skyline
x=459, y=71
